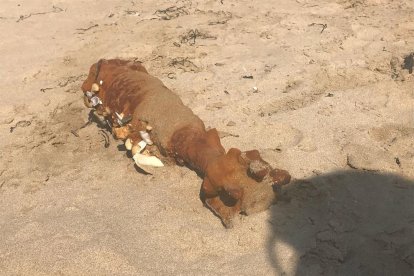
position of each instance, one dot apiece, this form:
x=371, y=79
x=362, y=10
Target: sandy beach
x=321, y=88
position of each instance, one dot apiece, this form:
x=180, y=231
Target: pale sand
x=330, y=108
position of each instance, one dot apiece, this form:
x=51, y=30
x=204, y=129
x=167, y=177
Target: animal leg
x=224, y=212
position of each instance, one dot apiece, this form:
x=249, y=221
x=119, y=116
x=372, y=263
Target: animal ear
x=207, y=189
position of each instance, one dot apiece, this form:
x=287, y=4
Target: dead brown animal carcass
x=145, y=114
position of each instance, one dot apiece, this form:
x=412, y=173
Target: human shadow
x=344, y=223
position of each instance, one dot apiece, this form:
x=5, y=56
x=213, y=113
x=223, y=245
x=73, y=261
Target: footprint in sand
x=369, y=158
x=398, y=140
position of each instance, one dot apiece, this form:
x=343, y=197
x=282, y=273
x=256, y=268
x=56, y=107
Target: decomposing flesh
x=155, y=124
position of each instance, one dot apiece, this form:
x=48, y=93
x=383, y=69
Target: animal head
x=244, y=178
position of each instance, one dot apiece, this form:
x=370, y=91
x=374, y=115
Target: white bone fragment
x=144, y=160
x=95, y=101
x=138, y=148
x=100, y=82
x=89, y=94
x=142, y=144
x=95, y=88
x=119, y=116
x=135, y=149
x=86, y=101
x=128, y=144
x=146, y=137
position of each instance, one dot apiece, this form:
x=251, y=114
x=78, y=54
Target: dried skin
x=234, y=182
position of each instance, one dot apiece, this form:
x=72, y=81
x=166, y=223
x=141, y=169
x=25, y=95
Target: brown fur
x=233, y=182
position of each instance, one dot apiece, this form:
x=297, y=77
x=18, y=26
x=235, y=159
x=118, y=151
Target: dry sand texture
x=333, y=107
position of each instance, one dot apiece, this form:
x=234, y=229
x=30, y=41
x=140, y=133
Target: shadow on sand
x=344, y=223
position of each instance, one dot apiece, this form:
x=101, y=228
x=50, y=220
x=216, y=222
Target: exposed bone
x=122, y=119
x=148, y=127
x=89, y=94
x=95, y=101
x=95, y=88
x=119, y=116
x=138, y=148
x=128, y=144
x=142, y=145
x=144, y=160
x=146, y=137
x=86, y=102
x=135, y=149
